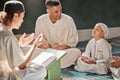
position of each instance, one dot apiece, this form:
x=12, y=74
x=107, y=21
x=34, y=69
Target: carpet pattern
x=71, y=74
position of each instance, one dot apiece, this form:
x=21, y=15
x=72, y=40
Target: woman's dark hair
x=51, y=3
x=11, y=7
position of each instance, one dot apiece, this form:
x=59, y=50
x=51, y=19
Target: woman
x=13, y=64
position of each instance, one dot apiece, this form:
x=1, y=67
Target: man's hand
x=44, y=45
x=60, y=46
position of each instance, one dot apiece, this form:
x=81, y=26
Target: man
x=60, y=32
x=97, y=54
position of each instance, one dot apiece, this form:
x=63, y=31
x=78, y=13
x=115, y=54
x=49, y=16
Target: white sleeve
x=38, y=29
x=106, y=52
x=14, y=53
x=72, y=38
x=87, y=52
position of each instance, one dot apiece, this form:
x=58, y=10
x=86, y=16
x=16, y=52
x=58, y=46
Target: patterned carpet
x=71, y=74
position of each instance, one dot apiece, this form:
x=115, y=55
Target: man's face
x=55, y=12
x=98, y=32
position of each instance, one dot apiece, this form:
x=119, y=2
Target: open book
x=45, y=58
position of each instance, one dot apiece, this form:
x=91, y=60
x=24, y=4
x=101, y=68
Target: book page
x=45, y=58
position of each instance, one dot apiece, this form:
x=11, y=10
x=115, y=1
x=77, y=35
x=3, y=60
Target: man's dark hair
x=52, y=3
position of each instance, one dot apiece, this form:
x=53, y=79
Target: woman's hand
x=30, y=52
x=38, y=40
x=26, y=40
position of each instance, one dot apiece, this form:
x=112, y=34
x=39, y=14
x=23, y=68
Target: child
x=97, y=54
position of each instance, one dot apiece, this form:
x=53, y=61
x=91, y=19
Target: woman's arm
x=30, y=52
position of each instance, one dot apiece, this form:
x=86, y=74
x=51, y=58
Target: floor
x=71, y=74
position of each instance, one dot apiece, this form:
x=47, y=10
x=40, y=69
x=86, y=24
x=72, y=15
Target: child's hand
x=88, y=61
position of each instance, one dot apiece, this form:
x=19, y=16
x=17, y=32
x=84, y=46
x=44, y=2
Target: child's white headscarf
x=104, y=28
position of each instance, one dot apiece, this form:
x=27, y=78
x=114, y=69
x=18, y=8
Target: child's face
x=97, y=32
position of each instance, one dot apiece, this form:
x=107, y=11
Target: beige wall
x=86, y=34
